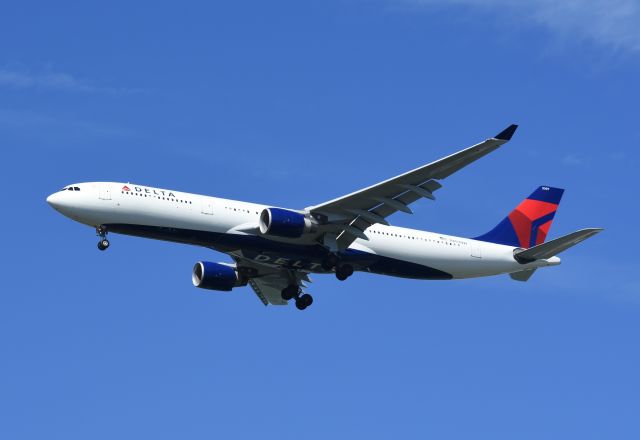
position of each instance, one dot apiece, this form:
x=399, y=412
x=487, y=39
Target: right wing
x=352, y=214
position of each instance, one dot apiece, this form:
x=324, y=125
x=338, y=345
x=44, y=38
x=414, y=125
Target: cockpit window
x=64, y=189
x=70, y=188
x=75, y=188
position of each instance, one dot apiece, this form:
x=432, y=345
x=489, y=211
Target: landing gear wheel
x=343, y=272
x=290, y=292
x=101, y=231
x=304, y=301
x=308, y=299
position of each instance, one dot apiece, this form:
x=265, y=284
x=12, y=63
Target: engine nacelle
x=284, y=223
x=215, y=276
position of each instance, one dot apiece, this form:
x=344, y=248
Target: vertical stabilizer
x=528, y=224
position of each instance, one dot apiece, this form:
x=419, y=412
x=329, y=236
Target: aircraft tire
x=308, y=299
x=304, y=301
x=343, y=272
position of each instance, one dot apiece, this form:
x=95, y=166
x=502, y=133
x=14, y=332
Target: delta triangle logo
x=125, y=188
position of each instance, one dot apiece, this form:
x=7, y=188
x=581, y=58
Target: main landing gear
x=103, y=244
x=293, y=291
x=343, y=271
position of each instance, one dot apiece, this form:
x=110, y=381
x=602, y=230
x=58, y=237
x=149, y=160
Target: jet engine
x=216, y=276
x=284, y=223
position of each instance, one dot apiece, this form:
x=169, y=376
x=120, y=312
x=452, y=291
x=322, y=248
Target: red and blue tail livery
x=528, y=224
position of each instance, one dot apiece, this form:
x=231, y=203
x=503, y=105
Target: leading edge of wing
x=439, y=169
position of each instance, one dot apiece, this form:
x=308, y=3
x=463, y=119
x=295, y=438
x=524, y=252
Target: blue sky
x=293, y=103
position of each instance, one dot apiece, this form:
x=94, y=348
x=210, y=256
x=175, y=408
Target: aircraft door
x=476, y=250
x=207, y=207
x=104, y=191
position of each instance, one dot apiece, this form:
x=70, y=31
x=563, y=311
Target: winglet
x=507, y=133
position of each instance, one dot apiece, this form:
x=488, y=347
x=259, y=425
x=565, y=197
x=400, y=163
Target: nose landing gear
x=101, y=231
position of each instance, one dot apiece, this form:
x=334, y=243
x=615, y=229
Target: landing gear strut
x=330, y=262
x=293, y=291
x=101, y=231
x=290, y=292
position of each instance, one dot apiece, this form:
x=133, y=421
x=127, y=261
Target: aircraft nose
x=55, y=200
x=51, y=199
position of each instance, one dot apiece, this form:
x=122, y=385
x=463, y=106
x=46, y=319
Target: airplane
x=274, y=249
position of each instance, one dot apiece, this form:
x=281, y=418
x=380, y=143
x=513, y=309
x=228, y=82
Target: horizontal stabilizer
x=522, y=275
x=554, y=247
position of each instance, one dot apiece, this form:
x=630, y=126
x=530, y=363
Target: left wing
x=267, y=281
x=354, y=213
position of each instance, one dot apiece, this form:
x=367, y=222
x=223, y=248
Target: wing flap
x=269, y=289
x=262, y=296
x=267, y=281
x=383, y=210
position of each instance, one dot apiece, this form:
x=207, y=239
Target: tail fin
x=528, y=224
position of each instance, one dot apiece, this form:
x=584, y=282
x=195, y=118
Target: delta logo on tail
x=528, y=224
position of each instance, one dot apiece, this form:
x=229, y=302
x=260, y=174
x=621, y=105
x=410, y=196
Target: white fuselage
x=230, y=226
